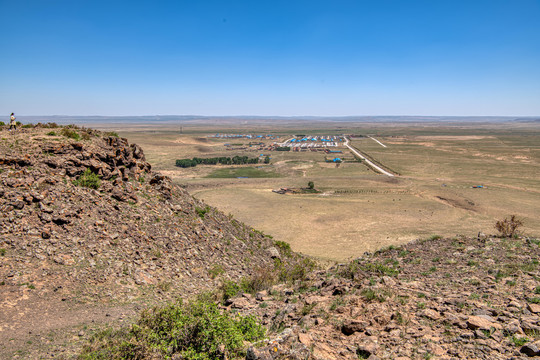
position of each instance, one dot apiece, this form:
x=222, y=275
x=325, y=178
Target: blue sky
x=227, y=57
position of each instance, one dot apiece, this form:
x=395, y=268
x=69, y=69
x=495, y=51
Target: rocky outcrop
x=135, y=238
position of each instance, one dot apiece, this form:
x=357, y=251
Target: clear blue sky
x=227, y=57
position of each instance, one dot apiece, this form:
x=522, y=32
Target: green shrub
x=229, y=289
x=284, y=248
x=88, y=179
x=197, y=330
x=2, y=252
x=2, y=123
x=69, y=133
x=51, y=133
x=202, y=211
x=519, y=341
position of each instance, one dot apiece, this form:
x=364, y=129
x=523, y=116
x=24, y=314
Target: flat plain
x=452, y=178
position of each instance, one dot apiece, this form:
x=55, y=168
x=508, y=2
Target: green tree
x=310, y=185
x=267, y=159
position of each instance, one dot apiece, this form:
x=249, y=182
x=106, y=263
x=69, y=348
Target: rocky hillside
x=457, y=298
x=88, y=232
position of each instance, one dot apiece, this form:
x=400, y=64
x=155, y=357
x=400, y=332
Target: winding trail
x=369, y=162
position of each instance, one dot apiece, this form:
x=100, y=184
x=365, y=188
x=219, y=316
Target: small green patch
x=202, y=211
x=216, y=270
x=338, y=301
x=379, y=295
x=3, y=252
x=307, y=308
x=404, y=253
x=379, y=268
x=70, y=133
x=88, y=179
x=229, y=289
x=284, y=248
x=519, y=341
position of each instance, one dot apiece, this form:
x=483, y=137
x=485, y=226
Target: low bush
x=70, y=133
x=228, y=289
x=294, y=270
x=202, y=211
x=88, y=179
x=196, y=330
x=284, y=248
x=260, y=279
x=509, y=227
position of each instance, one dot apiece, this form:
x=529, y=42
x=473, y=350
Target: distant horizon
x=196, y=116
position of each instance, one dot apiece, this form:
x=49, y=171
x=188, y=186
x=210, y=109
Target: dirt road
x=367, y=161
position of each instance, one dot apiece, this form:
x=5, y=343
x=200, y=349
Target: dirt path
x=45, y=327
x=371, y=164
x=377, y=141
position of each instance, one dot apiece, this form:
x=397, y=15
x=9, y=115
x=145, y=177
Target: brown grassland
x=357, y=209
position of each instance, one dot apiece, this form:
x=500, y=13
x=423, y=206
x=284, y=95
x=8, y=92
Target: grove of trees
x=236, y=160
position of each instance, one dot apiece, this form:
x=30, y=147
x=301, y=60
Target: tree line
x=223, y=160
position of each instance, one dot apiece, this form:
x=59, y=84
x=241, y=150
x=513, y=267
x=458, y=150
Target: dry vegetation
x=359, y=210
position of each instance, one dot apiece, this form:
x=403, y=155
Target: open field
x=359, y=210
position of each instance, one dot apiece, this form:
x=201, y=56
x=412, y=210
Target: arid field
x=436, y=191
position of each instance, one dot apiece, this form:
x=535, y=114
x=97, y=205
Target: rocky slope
x=457, y=298
x=76, y=249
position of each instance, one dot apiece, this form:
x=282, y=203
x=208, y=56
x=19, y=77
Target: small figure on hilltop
x=12, y=122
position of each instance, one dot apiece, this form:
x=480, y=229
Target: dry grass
x=362, y=211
